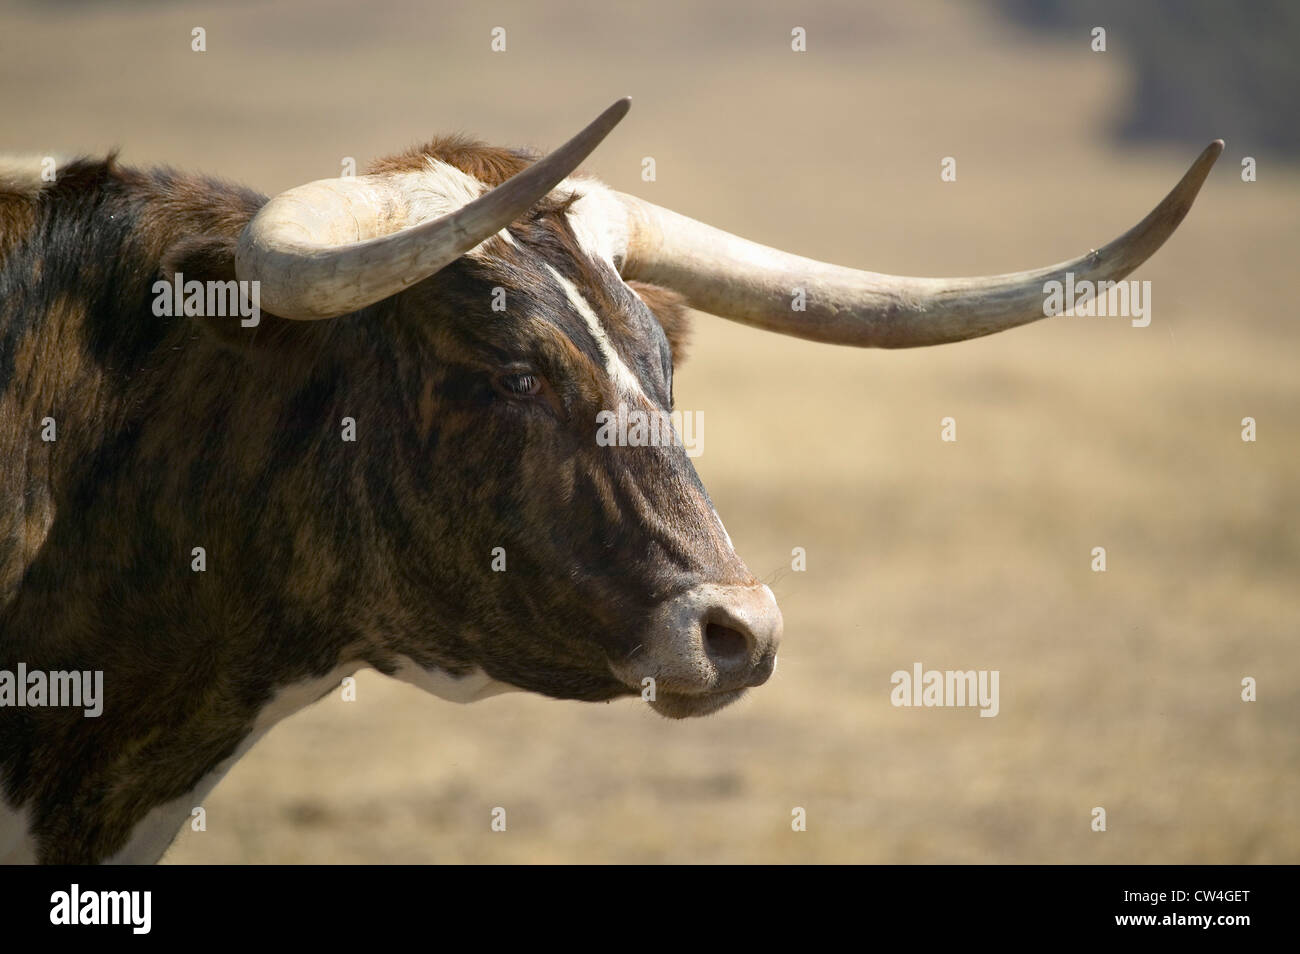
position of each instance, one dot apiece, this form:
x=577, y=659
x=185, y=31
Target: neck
x=131, y=807
x=199, y=655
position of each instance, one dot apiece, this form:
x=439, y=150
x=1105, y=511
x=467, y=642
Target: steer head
x=531, y=300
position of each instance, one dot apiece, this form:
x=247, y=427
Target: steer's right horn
x=738, y=279
x=333, y=246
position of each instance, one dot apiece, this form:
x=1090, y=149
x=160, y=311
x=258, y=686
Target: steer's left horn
x=729, y=276
x=330, y=247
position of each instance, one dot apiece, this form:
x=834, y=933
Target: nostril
x=726, y=646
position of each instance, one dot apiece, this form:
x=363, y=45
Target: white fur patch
x=730, y=546
x=464, y=689
x=23, y=174
x=598, y=220
x=439, y=190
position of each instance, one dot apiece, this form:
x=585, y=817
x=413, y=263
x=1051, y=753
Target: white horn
x=330, y=247
x=734, y=278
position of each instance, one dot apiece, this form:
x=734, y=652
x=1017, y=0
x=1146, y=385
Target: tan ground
x=1119, y=690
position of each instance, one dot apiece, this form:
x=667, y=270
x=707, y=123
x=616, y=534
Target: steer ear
x=674, y=316
x=210, y=261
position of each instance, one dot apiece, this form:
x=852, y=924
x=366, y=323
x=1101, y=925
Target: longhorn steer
x=129, y=438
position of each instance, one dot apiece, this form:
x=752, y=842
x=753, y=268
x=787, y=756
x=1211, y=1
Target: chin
x=673, y=705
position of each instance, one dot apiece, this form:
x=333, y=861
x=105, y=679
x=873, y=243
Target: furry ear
x=228, y=312
x=201, y=258
x=674, y=317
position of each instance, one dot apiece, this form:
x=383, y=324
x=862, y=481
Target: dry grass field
x=1118, y=689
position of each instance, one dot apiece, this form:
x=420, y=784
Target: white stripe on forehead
x=623, y=378
x=730, y=546
x=596, y=217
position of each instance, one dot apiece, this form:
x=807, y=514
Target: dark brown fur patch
x=670, y=308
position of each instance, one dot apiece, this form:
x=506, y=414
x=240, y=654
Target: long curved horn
x=330, y=247
x=734, y=278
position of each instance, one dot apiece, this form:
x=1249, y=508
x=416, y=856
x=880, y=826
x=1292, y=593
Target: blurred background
x=1119, y=689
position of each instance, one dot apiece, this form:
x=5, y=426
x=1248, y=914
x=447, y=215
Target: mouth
x=678, y=705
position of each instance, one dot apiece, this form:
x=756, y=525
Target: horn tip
x=1200, y=169
x=610, y=116
x=1209, y=155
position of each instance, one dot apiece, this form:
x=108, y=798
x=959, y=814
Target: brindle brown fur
x=175, y=433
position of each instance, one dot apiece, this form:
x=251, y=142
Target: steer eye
x=518, y=384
